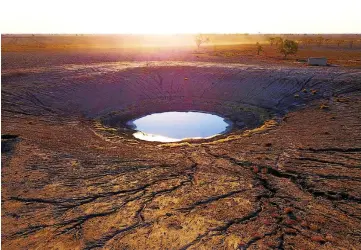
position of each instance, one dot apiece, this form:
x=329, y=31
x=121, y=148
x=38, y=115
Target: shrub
x=288, y=47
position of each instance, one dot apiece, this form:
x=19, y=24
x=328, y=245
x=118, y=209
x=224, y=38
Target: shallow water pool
x=177, y=126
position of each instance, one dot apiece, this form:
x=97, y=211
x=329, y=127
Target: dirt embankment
x=72, y=182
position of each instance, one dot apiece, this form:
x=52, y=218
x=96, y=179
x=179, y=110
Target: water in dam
x=177, y=126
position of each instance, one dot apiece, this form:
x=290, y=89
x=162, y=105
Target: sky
x=180, y=16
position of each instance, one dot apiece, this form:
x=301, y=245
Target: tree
x=288, y=47
x=271, y=40
x=199, y=39
x=259, y=48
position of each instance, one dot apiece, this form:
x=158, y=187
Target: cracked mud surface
x=73, y=177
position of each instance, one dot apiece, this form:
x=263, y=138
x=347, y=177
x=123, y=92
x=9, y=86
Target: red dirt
x=73, y=177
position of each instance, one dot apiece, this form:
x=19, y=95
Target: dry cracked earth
x=286, y=177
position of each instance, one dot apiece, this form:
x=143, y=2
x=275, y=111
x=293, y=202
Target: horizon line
x=190, y=33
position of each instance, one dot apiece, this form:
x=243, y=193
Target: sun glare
x=170, y=17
